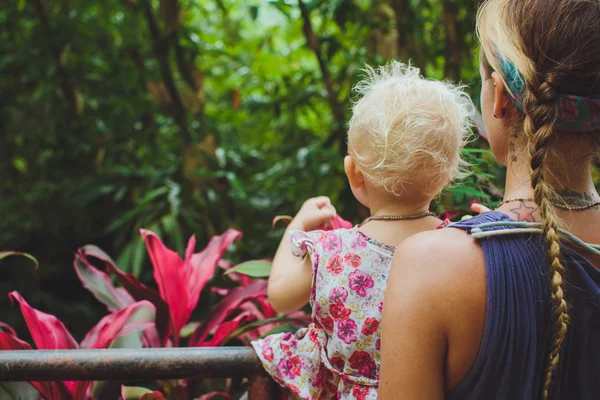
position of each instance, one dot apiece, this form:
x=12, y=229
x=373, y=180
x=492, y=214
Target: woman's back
x=518, y=324
x=513, y=316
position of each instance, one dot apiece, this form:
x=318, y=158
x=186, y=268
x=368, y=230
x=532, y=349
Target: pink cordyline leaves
x=48, y=333
x=180, y=282
x=251, y=300
x=225, y=308
x=99, y=284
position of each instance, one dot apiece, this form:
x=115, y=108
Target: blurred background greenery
x=191, y=117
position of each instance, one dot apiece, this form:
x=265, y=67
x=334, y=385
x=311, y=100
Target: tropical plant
x=141, y=316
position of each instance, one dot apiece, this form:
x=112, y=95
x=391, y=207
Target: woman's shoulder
x=439, y=277
x=438, y=249
x=444, y=267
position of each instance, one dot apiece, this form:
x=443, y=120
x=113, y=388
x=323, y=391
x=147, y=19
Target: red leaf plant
x=180, y=281
x=48, y=333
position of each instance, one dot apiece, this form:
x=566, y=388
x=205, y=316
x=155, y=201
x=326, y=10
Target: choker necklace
x=399, y=217
x=575, y=208
x=557, y=205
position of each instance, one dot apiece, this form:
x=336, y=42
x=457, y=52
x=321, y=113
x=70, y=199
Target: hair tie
x=575, y=113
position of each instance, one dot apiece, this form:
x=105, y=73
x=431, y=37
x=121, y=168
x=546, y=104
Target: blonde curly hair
x=407, y=130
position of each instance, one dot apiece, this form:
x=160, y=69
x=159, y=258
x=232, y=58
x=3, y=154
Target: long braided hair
x=555, y=47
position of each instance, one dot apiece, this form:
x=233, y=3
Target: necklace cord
x=400, y=217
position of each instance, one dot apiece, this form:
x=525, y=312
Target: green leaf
x=134, y=392
x=254, y=269
x=253, y=325
x=282, y=328
x=18, y=391
x=254, y=12
x=236, y=185
x=470, y=191
x=21, y=4
x=188, y=329
x=4, y=254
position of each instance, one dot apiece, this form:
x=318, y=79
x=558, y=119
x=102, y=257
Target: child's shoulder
x=347, y=240
x=321, y=236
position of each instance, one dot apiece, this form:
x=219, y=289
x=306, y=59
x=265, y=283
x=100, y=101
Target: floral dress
x=337, y=355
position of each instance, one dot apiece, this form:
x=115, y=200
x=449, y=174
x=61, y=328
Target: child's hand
x=479, y=208
x=315, y=212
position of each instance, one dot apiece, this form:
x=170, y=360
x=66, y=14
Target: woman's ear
x=356, y=180
x=501, y=100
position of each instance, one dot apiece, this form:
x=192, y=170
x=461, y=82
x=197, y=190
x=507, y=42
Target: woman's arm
x=291, y=277
x=433, y=301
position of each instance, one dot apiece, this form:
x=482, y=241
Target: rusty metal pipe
x=123, y=364
x=262, y=387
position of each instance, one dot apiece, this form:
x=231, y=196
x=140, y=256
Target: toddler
x=404, y=142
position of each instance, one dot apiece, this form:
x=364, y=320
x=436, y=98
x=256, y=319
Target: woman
x=513, y=314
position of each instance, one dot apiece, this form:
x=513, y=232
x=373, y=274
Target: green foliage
x=253, y=269
x=192, y=116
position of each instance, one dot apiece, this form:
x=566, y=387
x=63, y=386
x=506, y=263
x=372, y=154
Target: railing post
x=263, y=387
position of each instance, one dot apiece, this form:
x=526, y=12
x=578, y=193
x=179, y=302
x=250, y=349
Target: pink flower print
x=327, y=324
x=285, y=347
x=370, y=326
x=296, y=365
x=352, y=259
x=332, y=243
x=313, y=336
x=380, y=307
x=267, y=353
x=359, y=358
x=338, y=295
x=318, y=309
x=380, y=263
x=294, y=389
x=361, y=392
x=569, y=109
x=347, y=330
x=369, y=370
x=373, y=299
x=358, y=243
x=285, y=368
x=330, y=386
x=378, y=344
x=335, y=265
x=338, y=311
x=338, y=363
x=360, y=282
x=318, y=379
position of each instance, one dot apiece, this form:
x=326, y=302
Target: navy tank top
x=518, y=326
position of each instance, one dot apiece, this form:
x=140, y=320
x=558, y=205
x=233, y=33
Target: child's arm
x=291, y=277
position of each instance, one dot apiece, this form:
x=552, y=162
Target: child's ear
x=356, y=180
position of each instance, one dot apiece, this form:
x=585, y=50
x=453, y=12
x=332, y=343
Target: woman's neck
x=571, y=180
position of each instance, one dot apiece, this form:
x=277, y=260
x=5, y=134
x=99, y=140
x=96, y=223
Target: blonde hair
x=406, y=129
x=554, y=46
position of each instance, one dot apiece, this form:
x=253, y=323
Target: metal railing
x=131, y=364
